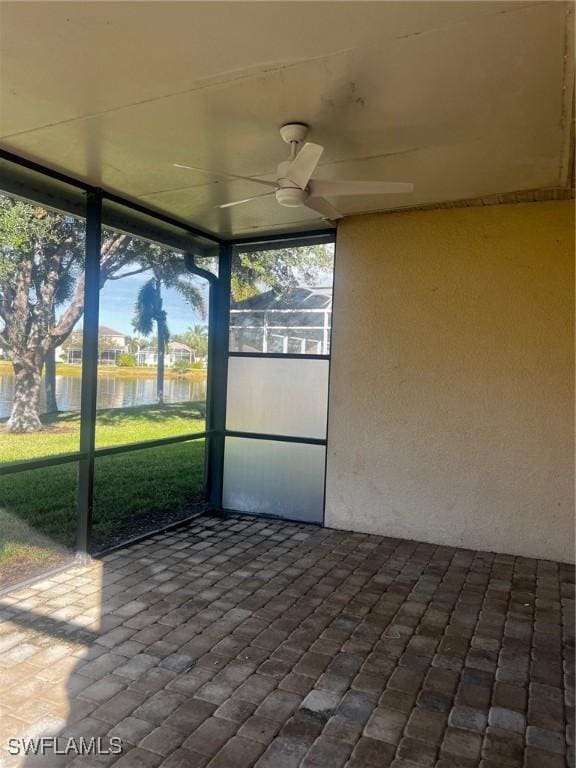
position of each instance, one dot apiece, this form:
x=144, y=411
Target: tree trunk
x=161, y=344
x=50, y=381
x=160, y=368
x=50, y=373
x=25, y=415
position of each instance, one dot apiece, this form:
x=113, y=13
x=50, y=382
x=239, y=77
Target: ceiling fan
x=294, y=185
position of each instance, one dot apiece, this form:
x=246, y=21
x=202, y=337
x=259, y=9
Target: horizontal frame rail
x=44, y=461
x=287, y=240
x=276, y=438
x=68, y=458
x=114, y=449
x=97, y=553
x=280, y=355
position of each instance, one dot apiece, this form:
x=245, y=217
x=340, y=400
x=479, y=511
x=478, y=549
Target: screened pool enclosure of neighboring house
x=298, y=321
x=139, y=449
x=176, y=352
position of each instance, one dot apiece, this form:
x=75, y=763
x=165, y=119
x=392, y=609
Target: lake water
x=113, y=392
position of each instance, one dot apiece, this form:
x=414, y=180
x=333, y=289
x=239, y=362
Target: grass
x=38, y=507
x=131, y=483
x=116, y=426
x=25, y=550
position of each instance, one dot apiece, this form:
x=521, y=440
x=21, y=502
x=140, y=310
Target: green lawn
x=38, y=507
x=115, y=426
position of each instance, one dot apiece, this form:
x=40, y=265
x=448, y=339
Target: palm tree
x=149, y=308
x=196, y=337
x=148, y=311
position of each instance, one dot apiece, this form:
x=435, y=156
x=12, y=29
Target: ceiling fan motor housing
x=291, y=197
x=288, y=193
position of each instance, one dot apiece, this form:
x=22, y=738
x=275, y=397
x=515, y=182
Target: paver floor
x=240, y=641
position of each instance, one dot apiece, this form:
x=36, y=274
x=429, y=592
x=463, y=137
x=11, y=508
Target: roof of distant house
x=293, y=298
x=172, y=346
x=103, y=330
x=178, y=345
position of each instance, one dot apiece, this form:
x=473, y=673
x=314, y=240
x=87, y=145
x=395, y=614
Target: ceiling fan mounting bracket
x=294, y=133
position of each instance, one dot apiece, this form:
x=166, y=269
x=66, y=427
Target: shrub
x=126, y=361
x=181, y=366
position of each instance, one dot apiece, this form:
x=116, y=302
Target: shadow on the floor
x=238, y=641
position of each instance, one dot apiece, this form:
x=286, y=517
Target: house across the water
x=175, y=353
x=111, y=344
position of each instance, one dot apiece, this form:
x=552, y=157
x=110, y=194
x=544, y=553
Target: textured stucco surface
x=452, y=384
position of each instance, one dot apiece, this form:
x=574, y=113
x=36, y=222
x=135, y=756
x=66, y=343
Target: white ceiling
x=465, y=99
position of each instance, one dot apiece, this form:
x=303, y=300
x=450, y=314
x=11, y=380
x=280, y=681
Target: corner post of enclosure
x=219, y=328
x=89, y=366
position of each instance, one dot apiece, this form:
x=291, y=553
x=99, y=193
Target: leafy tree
x=40, y=259
x=42, y=270
x=279, y=270
x=195, y=337
x=136, y=343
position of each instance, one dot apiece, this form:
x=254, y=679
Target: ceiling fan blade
x=323, y=207
x=245, y=200
x=336, y=188
x=304, y=164
x=227, y=175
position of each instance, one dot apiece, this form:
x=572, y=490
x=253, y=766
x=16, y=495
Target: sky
x=118, y=297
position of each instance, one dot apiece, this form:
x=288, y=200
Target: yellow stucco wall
x=452, y=383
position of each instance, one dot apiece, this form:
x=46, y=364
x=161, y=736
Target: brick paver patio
x=240, y=641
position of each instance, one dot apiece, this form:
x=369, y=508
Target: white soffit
x=465, y=99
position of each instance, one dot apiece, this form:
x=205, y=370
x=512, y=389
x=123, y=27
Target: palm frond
x=146, y=309
x=192, y=294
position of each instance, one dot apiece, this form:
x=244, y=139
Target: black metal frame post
x=192, y=267
x=89, y=367
x=218, y=330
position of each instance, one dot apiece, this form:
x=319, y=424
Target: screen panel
x=39, y=401
x=277, y=396
x=281, y=300
x=152, y=344
x=274, y=478
x=38, y=521
x=143, y=490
